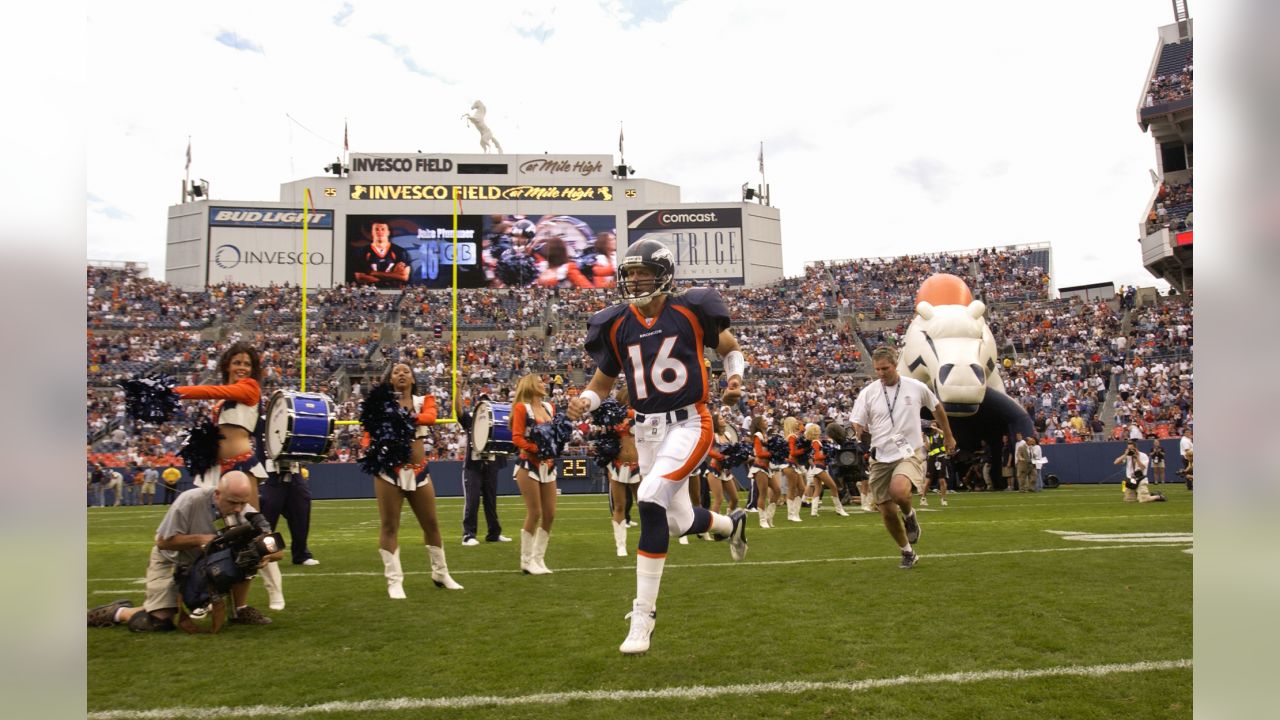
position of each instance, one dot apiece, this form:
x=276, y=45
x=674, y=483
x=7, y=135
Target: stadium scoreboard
x=577, y=198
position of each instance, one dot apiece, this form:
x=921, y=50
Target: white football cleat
x=642, y=621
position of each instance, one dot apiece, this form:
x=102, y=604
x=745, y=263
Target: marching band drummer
x=624, y=472
x=412, y=481
x=535, y=476
x=236, y=412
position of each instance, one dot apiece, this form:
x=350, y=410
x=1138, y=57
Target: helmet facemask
x=641, y=292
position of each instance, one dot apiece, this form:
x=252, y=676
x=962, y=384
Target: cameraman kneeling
x=1136, y=463
x=180, y=539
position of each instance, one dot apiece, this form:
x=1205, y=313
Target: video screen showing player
x=394, y=251
x=550, y=251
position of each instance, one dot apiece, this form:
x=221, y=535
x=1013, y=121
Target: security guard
x=937, y=466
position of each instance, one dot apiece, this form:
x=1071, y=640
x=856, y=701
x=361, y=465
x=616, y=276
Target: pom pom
x=150, y=399
x=199, y=450
x=610, y=413
x=830, y=450
x=516, y=269
x=391, y=429
x=587, y=262
x=735, y=454
x=607, y=447
x=499, y=244
x=806, y=452
x=778, y=448
x=550, y=437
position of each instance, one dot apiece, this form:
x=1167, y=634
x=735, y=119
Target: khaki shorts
x=162, y=591
x=882, y=473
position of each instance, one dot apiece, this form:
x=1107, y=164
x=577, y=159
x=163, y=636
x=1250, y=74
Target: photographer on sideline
x=1136, y=463
x=187, y=527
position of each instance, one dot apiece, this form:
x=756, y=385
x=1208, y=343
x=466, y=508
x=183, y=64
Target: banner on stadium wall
x=572, y=193
x=545, y=246
x=262, y=246
x=269, y=217
x=706, y=242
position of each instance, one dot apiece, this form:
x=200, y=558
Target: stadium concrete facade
x=585, y=196
x=1166, y=228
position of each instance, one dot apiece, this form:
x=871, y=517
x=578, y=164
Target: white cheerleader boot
x=395, y=576
x=439, y=570
x=537, y=561
x=814, y=504
x=835, y=500
x=620, y=538
x=272, y=581
x=526, y=552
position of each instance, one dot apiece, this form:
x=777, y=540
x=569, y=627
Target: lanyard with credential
x=895, y=399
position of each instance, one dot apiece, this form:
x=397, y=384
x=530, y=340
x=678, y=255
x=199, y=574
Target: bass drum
x=491, y=428
x=300, y=427
x=730, y=434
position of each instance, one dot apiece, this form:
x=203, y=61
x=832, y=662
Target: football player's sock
x=906, y=548
x=721, y=525
x=651, y=554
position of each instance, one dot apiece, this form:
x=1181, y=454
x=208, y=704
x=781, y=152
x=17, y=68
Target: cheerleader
x=535, y=476
x=556, y=269
x=624, y=473
x=719, y=478
x=412, y=482
x=792, y=469
x=818, y=474
x=604, y=265
x=768, y=488
x=235, y=412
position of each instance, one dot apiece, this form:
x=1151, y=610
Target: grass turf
x=819, y=601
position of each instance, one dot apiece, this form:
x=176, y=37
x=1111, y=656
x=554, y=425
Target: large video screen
x=394, y=251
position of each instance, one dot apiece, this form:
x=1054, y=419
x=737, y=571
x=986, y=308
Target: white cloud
x=1015, y=123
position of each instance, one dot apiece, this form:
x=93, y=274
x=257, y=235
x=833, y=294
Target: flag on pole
x=188, y=153
x=761, y=157
x=345, y=145
x=619, y=139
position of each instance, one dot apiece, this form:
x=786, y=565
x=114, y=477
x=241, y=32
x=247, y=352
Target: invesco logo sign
x=226, y=256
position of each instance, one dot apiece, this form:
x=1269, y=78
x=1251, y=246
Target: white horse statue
x=486, y=135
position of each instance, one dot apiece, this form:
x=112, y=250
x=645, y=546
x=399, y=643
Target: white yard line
x=689, y=693
x=677, y=565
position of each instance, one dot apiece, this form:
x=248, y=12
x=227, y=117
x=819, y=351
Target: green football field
x=1064, y=604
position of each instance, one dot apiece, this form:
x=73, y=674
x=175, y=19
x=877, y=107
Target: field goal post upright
x=453, y=336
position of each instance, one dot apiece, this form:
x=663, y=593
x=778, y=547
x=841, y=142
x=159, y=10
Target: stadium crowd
x=885, y=287
x=1061, y=357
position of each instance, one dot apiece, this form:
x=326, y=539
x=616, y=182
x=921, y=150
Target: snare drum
x=491, y=429
x=300, y=426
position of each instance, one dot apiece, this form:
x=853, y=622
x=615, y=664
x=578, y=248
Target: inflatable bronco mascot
x=949, y=347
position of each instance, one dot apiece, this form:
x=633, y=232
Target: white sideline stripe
x=696, y=692
x=1167, y=537
x=670, y=565
x=369, y=528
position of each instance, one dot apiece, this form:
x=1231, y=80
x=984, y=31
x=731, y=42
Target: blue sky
x=888, y=128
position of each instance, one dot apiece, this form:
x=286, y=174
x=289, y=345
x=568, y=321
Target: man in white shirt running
x=890, y=409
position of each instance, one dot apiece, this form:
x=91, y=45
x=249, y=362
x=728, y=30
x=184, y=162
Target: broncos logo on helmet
x=655, y=256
